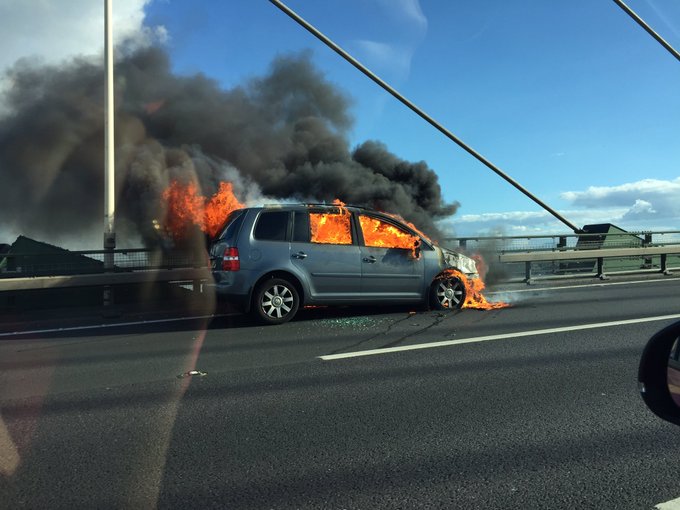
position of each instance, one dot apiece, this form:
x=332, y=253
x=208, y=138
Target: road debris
x=192, y=373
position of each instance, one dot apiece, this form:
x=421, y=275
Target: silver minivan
x=271, y=260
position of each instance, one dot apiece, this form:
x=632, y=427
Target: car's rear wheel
x=447, y=293
x=275, y=301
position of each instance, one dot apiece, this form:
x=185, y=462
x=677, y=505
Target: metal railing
x=531, y=257
x=641, y=257
x=57, y=268
x=522, y=258
x=177, y=275
x=560, y=241
x=65, y=262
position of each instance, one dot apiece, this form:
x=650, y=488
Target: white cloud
x=640, y=208
x=646, y=200
x=531, y=222
x=408, y=26
x=392, y=58
x=626, y=193
x=504, y=217
x=52, y=30
x=409, y=10
x=648, y=204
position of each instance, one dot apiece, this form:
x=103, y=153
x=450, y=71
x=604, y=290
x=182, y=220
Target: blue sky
x=571, y=98
x=561, y=95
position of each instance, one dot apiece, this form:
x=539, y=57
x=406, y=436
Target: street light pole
x=109, y=159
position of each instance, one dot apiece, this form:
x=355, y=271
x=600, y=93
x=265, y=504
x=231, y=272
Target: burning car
x=271, y=260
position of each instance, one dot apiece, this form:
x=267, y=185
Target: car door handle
x=300, y=255
x=370, y=260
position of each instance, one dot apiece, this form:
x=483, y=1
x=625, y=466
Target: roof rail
x=319, y=204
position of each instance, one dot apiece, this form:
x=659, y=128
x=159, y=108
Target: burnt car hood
x=458, y=261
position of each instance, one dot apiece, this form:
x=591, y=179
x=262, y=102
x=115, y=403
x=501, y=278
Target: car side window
x=381, y=234
x=272, y=226
x=330, y=228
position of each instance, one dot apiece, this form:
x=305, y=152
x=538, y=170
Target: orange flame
x=185, y=206
x=220, y=205
x=331, y=228
x=474, y=298
x=411, y=226
x=334, y=228
x=383, y=235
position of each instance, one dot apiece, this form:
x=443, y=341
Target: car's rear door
x=329, y=258
x=391, y=269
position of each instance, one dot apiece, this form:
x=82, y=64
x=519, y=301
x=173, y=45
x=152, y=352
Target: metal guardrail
x=55, y=268
x=104, y=279
x=66, y=262
x=598, y=255
x=563, y=256
x=62, y=268
x=559, y=241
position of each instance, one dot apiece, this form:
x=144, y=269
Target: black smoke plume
x=283, y=135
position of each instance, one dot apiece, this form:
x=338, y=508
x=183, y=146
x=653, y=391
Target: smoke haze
x=283, y=135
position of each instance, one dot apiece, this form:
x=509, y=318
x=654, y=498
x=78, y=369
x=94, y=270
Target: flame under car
x=272, y=260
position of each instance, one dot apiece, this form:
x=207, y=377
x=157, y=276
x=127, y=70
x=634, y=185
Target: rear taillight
x=230, y=260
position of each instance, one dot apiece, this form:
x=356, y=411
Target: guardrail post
x=647, y=264
x=462, y=243
x=527, y=272
x=109, y=266
x=108, y=310
x=561, y=246
x=600, y=269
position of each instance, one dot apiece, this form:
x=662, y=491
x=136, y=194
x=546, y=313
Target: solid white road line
x=518, y=334
x=113, y=325
x=582, y=286
x=674, y=504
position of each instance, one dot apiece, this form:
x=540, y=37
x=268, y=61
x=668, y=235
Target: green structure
x=603, y=236
x=28, y=257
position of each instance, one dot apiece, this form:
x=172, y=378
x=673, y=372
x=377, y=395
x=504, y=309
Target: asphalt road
x=527, y=410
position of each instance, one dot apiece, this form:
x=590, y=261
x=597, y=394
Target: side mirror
x=659, y=374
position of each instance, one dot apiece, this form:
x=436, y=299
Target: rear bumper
x=232, y=287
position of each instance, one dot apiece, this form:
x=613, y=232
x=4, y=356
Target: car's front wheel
x=275, y=301
x=447, y=293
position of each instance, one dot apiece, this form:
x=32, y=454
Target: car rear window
x=272, y=226
x=233, y=225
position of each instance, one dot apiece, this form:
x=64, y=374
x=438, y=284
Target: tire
x=275, y=301
x=447, y=293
